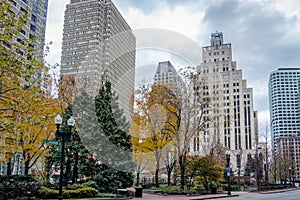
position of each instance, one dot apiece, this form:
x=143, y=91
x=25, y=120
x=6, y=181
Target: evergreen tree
x=115, y=148
x=250, y=165
x=78, y=159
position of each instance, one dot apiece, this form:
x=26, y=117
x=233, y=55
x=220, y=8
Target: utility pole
x=267, y=160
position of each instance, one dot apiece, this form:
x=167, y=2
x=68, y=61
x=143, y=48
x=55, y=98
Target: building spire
x=216, y=39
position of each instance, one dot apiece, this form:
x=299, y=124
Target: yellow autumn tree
x=156, y=121
x=26, y=112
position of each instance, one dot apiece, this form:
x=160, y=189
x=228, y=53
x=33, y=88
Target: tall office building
x=35, y=28
x=37, y=17
x=288, y=151
x=98, y=45
x=166, y=74
x=233, y=124
x=284, y=103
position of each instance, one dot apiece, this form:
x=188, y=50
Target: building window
x=32, y=27
x=33, y=18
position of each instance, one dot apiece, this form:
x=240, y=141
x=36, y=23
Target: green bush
x=92, y=184
x=47, y=193
x=12, y=187
x=73, y=191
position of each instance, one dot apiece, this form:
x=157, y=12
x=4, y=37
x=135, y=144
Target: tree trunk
x=67, y=172
x=137, y=179
x=169, y=176
x=8, y=172
x=182, y=160
x=75, y=169
x=157, y=157
x=156, y=178
x=26, y=167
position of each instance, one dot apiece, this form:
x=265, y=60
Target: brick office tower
x=233, y=124
x=98, y=45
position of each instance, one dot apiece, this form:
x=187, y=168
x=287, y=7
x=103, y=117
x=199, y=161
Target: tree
x=193, y=107
x=25, y=109
x=115, y=154
x=141, y=156
x=156, y=115
x=78, y=159
x=250, y=165
x=169, y=159
x=206, y=168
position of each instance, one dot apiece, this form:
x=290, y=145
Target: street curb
x=215, y=197
x=278, y=191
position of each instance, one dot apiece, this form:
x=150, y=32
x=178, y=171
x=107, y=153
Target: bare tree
x=169, y=159
x=193, y=107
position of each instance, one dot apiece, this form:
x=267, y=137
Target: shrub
x=47, y=193
x=92, y=184
x=73, y=191
x=87, y=192
x=12, y=187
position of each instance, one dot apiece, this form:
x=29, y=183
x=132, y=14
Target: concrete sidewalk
x=147, y=196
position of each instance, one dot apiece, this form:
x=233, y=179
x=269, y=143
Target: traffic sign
x=52, y=142
x=228, y=171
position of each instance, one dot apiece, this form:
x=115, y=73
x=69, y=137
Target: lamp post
x=290, y=172
x=71, y=123
x=228, y=170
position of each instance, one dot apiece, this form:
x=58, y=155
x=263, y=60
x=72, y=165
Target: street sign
x=52, y=142
x=228, y=171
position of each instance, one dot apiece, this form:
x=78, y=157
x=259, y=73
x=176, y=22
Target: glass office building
x=284, y=103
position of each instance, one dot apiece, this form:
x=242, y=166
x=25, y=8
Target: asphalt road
x=288, y=195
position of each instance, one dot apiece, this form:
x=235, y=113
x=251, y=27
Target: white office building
x=233, y=121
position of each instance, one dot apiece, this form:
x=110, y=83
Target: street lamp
x=71, y=123
x=228, y=170
x=290, y=172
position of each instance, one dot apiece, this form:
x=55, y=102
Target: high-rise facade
x=98, y=45
x=288, y=156
x=166, y=74
x=233, y=121
x=37, y=17
x=34, y=28
x=284, y=103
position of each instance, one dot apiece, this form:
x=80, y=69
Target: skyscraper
x=33, y=31
x=37, y=17
x=284, y=103
x=98, y=45
x=233, y=121
x=166, y=74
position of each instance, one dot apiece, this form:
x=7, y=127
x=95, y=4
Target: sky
x=264, y=34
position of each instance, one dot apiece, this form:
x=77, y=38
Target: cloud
x=264, y=34
x=180, y=19
x=54, y=29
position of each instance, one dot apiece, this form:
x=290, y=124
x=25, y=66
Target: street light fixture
x=228, y=170
x=290, y=172
x=58, y=122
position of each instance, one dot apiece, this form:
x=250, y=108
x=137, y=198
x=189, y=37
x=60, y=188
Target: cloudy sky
x=265, y=34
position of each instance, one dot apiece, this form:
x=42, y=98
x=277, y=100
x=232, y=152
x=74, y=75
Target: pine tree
x=115, y=148
x=78, y=159
x=250, y=165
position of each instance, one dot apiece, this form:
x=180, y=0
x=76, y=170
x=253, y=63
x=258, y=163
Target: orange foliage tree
x=155, y=121
x=26, y=112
